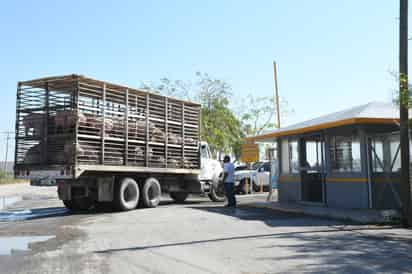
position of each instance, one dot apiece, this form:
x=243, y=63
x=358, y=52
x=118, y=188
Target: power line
x=9, y=135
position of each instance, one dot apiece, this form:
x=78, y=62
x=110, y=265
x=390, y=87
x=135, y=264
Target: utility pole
x=7, y=151
x=275, y=75
x=403, y=111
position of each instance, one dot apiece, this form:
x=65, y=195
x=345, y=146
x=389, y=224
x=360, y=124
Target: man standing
x=229, y=182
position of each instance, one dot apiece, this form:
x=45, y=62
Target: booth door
x=312, y=169
x=384, y=169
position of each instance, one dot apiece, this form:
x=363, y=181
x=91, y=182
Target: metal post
x=368, y=144
x=45, y=132
x=166, y=139
x=275, y=75
x=403, y=99
x=75, y=106
x=17, y=124
x=183, y=135
x=103, y=129
x=126, y=128
x=251, y=184
x=147, y=153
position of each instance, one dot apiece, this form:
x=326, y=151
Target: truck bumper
x=43, y=177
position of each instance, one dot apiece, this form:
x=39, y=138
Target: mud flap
x=64, y=191
x=105, y=189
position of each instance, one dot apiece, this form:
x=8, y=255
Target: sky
x=331, y=54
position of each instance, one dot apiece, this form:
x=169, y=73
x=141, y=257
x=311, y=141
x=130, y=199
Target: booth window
x=294, y=156
x=345, y=154
x=377, y=155
x=395, y=154
x=314, y=154
x=385, y=154
x=289, y=157
x=284, y=156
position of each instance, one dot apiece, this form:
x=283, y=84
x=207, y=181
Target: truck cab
x=211, y=173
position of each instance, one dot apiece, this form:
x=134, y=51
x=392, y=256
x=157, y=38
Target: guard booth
x=347, y=159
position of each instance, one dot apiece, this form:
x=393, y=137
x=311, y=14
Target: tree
x=257, y=114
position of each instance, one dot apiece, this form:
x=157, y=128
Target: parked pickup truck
x=107, y=143
x=258, y=173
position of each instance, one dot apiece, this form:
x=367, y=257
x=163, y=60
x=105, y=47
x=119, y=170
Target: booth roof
x=371, y=113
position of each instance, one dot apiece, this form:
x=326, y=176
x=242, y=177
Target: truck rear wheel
x=217, y=193
x=179, y=197
x=126, y=194
x=151, y=192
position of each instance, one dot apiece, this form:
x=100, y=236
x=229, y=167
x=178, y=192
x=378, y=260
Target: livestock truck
x=104, y=143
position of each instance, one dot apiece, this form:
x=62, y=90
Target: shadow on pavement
x=323, y=247
x=270, y=217
x=137, y=248
x=187, y=202
x=354, y=252
x=279, y=235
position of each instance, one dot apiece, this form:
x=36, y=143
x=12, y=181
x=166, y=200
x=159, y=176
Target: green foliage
x=220, y=127
x=404, y=97
x=4, y=175
x=7, y=178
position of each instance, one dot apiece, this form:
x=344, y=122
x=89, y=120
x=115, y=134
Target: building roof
x=371, y=113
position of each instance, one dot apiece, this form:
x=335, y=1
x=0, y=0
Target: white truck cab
x=211, y=174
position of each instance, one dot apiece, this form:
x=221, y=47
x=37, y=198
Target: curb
x=286, y=210
x=376, y=220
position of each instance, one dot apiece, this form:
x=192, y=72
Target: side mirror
x=261, y=169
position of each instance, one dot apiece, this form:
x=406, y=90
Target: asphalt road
x=198, y=237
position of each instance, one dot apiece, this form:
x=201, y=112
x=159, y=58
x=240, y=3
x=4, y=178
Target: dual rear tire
x=151, y=193
x=128, y=195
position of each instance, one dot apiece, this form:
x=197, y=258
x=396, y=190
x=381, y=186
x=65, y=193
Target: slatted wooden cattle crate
x=75, y=120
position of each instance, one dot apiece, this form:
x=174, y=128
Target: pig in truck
x=104, y=143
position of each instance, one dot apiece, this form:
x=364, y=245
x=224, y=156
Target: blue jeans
x=230, y=194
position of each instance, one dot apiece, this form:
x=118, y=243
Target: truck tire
x=240, y=188
x=126, y=194
x=79, y=204
x=151, y=192
x=217, y=194
x=179, y=197
x=255, y=187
